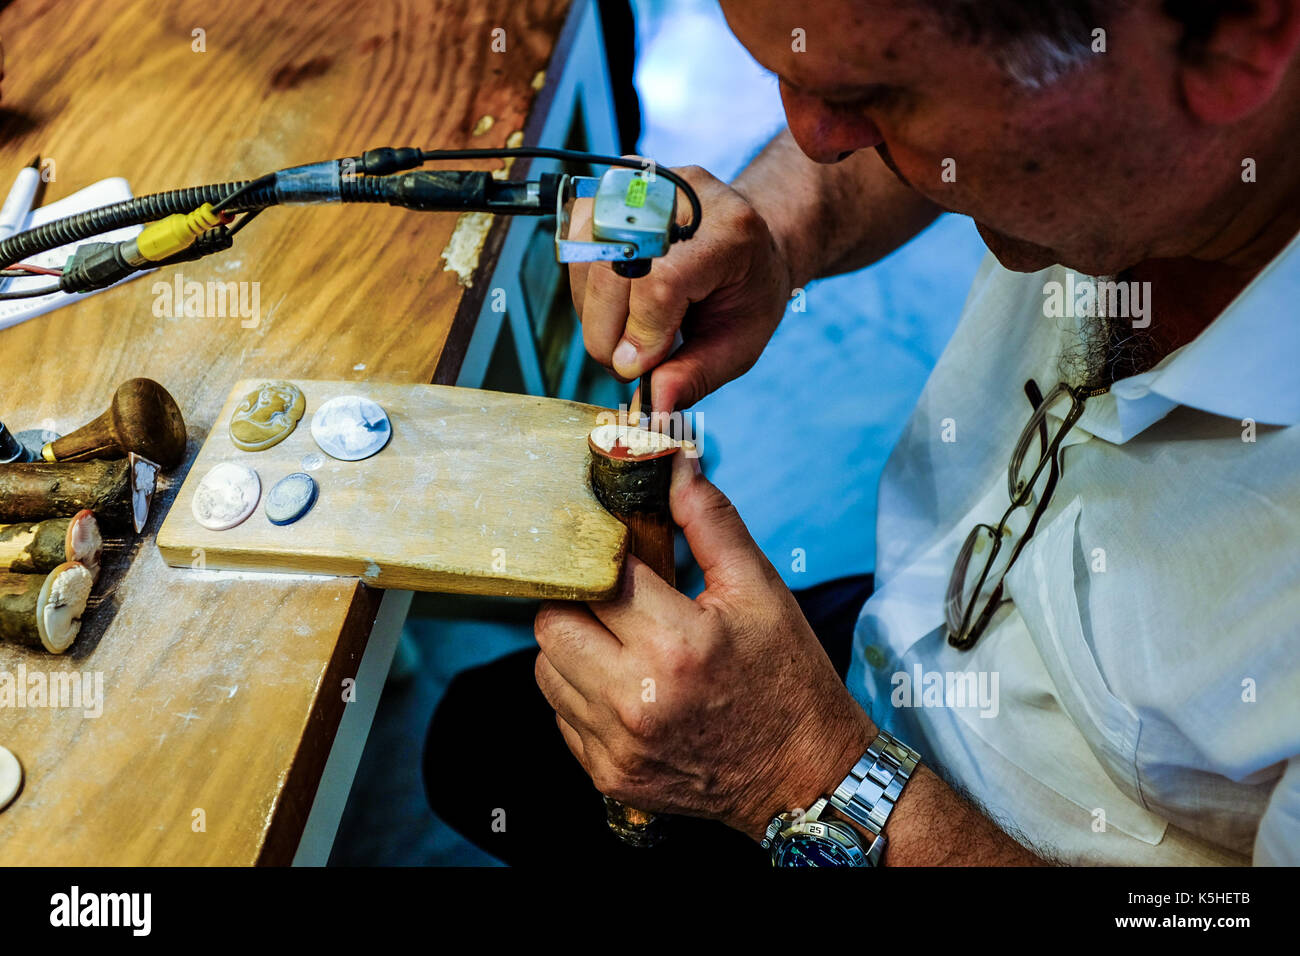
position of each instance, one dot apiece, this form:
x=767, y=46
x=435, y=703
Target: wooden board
x=222, y=689
x=476, y=493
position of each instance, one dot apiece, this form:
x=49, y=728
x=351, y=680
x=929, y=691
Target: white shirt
x=1147, y=666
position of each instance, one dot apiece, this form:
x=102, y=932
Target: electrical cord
x=30, y=293
x=244, y=221
x=246, y=189
x=574, y=155
x=129, y=212
x=24, y=269
x=366, y=180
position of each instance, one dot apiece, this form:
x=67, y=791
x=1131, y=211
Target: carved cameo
x=267, y=416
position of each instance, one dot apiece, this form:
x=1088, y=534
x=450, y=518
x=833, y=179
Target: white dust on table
x=466, y=245
x=206, y=576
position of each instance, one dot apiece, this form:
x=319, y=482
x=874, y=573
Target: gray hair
x=1037, y=42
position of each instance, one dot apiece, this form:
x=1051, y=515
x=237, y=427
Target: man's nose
x=825, y=132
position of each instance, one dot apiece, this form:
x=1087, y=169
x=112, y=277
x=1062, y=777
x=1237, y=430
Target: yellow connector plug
x=166, y=237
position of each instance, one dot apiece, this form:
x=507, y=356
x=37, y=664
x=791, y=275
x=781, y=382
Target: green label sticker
x=636, y=193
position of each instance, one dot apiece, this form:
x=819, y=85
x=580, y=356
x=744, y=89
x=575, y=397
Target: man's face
x=1082, y=171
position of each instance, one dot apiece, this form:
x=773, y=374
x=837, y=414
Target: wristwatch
x=867, y=796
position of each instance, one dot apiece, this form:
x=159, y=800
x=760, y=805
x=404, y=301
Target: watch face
x=800, y=849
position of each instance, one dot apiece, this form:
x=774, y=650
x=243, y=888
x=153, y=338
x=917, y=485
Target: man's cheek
x=935, y=176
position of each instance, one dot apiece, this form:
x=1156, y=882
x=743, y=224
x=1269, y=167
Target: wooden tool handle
x=32, y=492
x=38, y=547
x=651, y=538
x=143, y=418
x=635, y=490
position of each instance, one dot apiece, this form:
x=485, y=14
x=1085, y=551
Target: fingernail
x=625, y=358
x=683, y=474
x=691, y=452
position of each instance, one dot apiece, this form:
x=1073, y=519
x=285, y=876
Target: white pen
x=18, y=204
x=19, y=201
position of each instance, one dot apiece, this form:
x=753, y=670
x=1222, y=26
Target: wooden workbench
x=222, y=692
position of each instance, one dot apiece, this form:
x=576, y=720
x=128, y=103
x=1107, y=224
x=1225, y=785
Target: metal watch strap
x=868, y=794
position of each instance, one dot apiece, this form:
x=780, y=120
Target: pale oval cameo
x=226, y=496
x=266, y=416
x=11, y=777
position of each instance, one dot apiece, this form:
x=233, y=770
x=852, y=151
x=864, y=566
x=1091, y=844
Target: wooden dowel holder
x=635, y=491
x=118, y=492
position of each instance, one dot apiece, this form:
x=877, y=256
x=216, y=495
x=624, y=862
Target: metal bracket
x=580, y=250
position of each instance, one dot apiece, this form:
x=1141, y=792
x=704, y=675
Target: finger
x=717, y=537
x=604, y=313
x=645, y=606
x=704, y=363
x=658, y=302
x=656, y=306
x=600, y=296
x=559, y=693
x=574, y=741
x=579, y=228
x=577, y=646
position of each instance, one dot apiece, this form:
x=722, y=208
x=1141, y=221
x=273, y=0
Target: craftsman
x=1144, y=637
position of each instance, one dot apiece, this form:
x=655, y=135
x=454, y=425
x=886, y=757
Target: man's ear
x=1243, y=61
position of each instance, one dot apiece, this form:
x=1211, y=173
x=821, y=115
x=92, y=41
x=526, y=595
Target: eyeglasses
x=975, y=588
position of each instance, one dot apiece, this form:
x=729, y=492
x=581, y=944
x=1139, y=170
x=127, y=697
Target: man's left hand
x=724, y=706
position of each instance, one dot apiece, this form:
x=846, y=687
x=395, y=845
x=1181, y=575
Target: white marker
x=18, y=204
x=13, y=214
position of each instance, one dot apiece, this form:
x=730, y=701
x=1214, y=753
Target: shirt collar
x=1243, y=365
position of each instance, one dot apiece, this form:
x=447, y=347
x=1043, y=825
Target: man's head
x=1093, y=133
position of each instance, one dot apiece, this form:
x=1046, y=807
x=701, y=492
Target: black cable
x=247, y=218
x=574, y=155
x=248, y=187
x=252, y=195
x=130, y=212
x=30, y=293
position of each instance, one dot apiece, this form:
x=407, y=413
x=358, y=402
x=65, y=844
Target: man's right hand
x=725, y=289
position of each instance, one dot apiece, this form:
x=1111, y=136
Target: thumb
x=704, y=363
x=712, y=526
x=656, y=305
